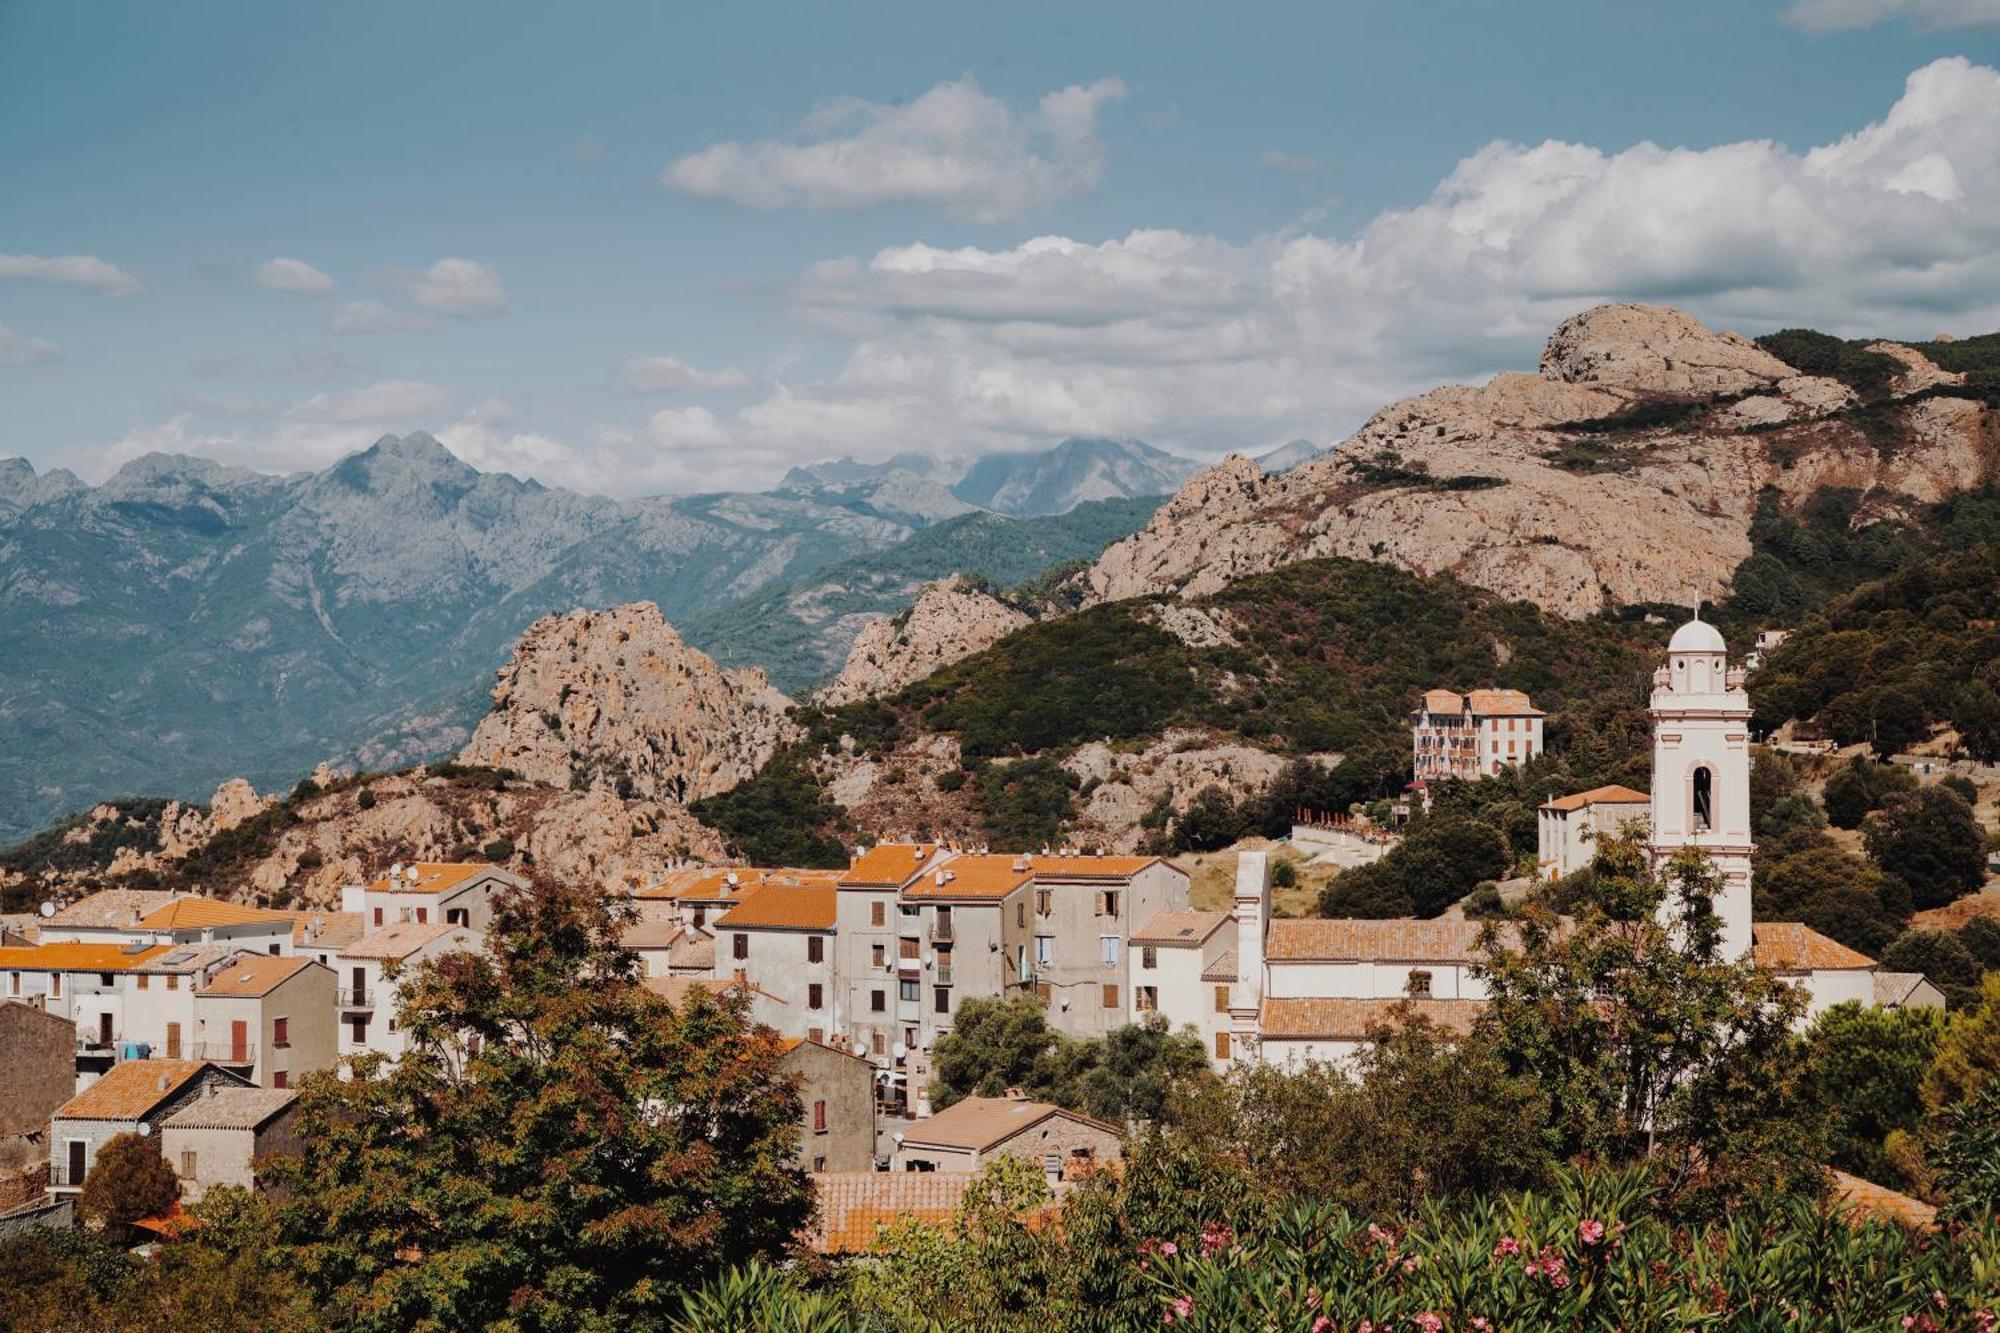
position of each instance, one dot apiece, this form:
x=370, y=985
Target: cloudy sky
x=643, y=248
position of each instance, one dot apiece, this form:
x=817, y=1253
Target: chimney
x=165, y=1082
x=1252, y=910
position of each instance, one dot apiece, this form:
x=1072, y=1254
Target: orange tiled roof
x=397, y=941
x=728, y=884
x=782, y=907
x=974, y=875
x=1444, y=701
x=1865, y=1196
x=112, y=907
x=1349, y=1020
x=328, y=930
x=649, y=935
x=1180, y=927
x=1399, y=939
x=854, y=1205
x=1222, y=969
x=1790, y=946
x=1502, y=703
x=888, y=865
x=129, y=1090
x=1090, y=867
x=979, y=1123
x=252, y=975
x=432, y=877
x=83, y=957
x=199, y=913
x=1612, y=795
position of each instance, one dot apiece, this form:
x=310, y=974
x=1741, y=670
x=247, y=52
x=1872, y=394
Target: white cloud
x=1839, y=15
x=394, y=401
x=670, y=374
x=460, y=288
x=1294, y=164
x=106, y=279
x=955, y=148
x=18, y=349
x=374, y=317
x=293, y=275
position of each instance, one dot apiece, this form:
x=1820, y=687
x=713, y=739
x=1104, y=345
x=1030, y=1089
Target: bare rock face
x=950, y=619
x=614, y=700
x=234, y=802
x=1627, y=471
x=1919, y=371
x=1655, y=350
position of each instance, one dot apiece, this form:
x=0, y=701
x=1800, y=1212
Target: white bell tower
x=1701, y=768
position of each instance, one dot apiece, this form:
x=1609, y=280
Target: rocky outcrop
x=1627, y=471
x=613, y=700
x=950, y=619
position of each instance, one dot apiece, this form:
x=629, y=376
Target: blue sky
x=643, y=248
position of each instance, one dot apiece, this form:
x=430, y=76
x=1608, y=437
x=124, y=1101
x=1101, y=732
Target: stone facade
x=37, y=1075
x=837, y=1097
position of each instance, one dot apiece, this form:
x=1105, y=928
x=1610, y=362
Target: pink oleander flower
x=1938, y=1299
x=1531, y=1268
x=1183, y=1306
x=1428, y=1323
x=1378, y=1236
x=1168, y=1247
x=1558, y=1280
x=1590, y=1231
x=1480, y=1323
x=1507, y=1248
x=1909, y=1321
x=1411, y=1264
x=1322, y=1325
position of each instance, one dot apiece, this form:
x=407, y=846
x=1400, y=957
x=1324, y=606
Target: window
x=281, y=1032
x=819, y=1117
x=1704, y=800
x=1222, y=999
x=1222, y=1045
x=906, y=947
x=1147, y=998
x=145, y=982
x=908, y=991
x=1042, y=991
x=878, y=1000
x=281, y=1078
x=1110, y=997
x=188, y=1160
x=457, y=916
x=739, y=946
x=1149, y=957
x=357, y=1029
x=941, y=999
x=378, y=916
x=473, y=1045
x=1045, y=950
x=877, y=1043
x=173, y=982
x=1021, y=915
x=1044, y=902
x=1107, y=950
x=815, y=948
x=1107, y=903
x=817, y=1036
x=1420, y=983
x=815, y=993
x=879, y=955
x=13, y=983
x=819, y=1163
x=273, y=951
x=55, y=985
x=106, y=980
x=878, y=914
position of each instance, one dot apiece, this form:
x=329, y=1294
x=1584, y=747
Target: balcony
x=941, y=931
x=356, y=997
x=60, y=1177
x=942, y=974
x=227, y=1052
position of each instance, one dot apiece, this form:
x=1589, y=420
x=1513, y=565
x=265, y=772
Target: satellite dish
x=899, y=1050
x=47, y=909
x=145, y=1129
x=396, y=870
x=898, y=1137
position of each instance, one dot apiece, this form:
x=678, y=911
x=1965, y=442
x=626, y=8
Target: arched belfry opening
x=1704, y=801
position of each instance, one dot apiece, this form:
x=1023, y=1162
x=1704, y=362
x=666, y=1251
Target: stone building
x=131, y=1098
x=429, y=893
x=837, y=1097
x=367, y=998
x=968, y=1134
x=37, y=1075
x=220, y=1137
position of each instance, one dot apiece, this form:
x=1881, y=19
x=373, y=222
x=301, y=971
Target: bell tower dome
x=1701, y=768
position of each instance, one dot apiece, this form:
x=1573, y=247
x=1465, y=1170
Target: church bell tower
x=1701, y=769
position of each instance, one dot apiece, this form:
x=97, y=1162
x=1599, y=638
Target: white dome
x=1697, y=636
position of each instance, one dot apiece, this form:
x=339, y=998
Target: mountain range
x=186, y=621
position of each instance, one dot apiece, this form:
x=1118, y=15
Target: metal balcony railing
x=941, y=930
x=227, y=1052
x=356, y=997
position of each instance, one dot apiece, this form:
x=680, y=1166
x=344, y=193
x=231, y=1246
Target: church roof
x=1791, y=946
x=1612, y=795
x=1697, y=636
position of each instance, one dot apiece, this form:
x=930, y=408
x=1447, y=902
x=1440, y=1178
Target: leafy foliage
x=1930, y=842
x=129, y=1180
x=1869, y=374
x=1866, y=1066
x=779, y=818
x=997, y=1044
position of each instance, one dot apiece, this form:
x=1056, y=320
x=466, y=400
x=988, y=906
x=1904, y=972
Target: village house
x=854, y=1206
x=1906, y=990
x=367, y=997
x=1473, y=735
x=79, y=982
x=268, y=1019
x=322, y=935
x=220, y=1137
x=38, y=1057
x=665, y=949
x=777, y=942
x=131, y=1098
x=125, y=916
x=1568, y=828
x=430, y=893
x=968, y=1134
x=837, y=1101
x=1172, y=955
x=693, y=896
x=1826, y=970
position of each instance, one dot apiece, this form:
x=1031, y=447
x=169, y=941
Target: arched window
x=1704, y=800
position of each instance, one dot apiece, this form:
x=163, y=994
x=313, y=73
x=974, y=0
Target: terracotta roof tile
x=127, y=1091
x=398, y=941
x=203, y=913
x=232, y=1108
x=432, y=877
x=889, y=865
x=1399, y=939
x=61, y=956
x=1790, y=946
x=979, y=1123
x=1612, y=795
x=251, y=975
x=1090, y=867
x=980, y=875
x=329, y=930
x=728, y=884
x=1866, y=1197
x=1349, y=1020
x=1222, y=969
x=1501, y=703
x=782, y=907
x=1189, y=928
x=112, y=907
x=854, y=1205
x=692, y=951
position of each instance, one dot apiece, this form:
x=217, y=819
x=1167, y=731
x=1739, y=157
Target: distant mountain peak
x=1034, y=483
x=418, y=447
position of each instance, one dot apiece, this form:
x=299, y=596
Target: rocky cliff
x=613, y=700
x=949, y=620
x=1627, y=470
